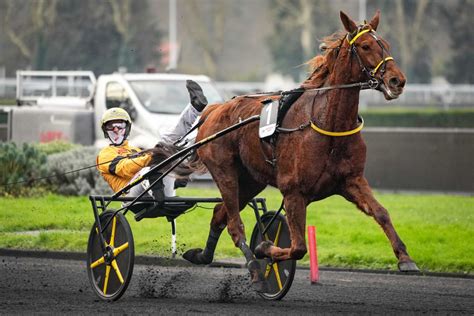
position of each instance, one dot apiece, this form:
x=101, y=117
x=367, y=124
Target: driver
x=116, y=163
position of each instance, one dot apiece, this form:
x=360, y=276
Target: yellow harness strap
x=338, y=134
x=352, y=41
x=373, y=72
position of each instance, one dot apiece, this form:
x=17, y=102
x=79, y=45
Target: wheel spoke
x=118, y=250
x=97, y=263
x=277, y=237
x=277, y=275
x=117, y=270
x=268, y=269
x=106, y=280
x=275, y=242
x=274, y=265
x=112, y=236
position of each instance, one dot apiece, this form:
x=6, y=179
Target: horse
x=324, y=157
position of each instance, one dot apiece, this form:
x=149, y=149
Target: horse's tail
x=162, y=151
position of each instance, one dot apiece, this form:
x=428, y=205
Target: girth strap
x=338, y=134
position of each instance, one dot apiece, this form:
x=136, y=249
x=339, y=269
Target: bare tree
x=208, y=31
x=307, y=28
x=30, y=35
x=410, y=31
x=121, y=14
x=298, y=24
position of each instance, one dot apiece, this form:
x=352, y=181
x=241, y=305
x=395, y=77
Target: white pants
x=186, y=120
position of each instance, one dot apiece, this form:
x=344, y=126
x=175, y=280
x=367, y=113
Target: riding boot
x=197, y=97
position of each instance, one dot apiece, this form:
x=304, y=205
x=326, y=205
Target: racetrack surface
x=45, y=286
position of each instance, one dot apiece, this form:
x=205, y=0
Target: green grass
x=437, y=229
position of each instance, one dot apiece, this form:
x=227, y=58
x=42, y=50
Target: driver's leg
x=189, y=115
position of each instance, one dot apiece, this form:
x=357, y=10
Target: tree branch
x=121, y=17
x=14, y=38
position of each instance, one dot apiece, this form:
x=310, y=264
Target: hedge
x=19, y=165
x=419, y=118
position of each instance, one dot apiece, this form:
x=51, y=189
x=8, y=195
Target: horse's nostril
x=394, y=82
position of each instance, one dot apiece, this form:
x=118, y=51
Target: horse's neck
x=341, y=105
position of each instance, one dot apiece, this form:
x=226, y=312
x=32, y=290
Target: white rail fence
x=415, y=95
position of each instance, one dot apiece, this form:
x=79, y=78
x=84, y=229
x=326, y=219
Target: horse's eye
x=365, y=47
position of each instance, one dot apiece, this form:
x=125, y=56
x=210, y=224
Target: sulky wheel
x=279, y=275
x=110, y=269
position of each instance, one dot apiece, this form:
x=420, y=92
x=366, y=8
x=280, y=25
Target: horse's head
x=372, y=55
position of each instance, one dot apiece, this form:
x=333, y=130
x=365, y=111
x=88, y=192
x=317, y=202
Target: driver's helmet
x=116, y=124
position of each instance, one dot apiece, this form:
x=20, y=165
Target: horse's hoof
x=259, y=283
x=408, y=266
x=261, y=250
x=195, y=256
x=260, y=286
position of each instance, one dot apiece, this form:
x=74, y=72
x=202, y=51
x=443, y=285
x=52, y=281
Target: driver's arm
x=109, y=162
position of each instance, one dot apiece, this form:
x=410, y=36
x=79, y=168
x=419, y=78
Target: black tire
x=279, y=275
x=111, y=288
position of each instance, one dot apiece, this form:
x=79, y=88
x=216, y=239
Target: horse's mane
x=321, y=66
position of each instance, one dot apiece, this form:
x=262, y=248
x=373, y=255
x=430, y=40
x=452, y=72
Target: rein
x=372, y=83
x=73, y=171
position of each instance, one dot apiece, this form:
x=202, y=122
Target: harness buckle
x=373, y=83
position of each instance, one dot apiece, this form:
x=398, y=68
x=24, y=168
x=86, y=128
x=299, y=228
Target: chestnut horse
x=310, y=163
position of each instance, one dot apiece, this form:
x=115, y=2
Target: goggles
x=109, y=126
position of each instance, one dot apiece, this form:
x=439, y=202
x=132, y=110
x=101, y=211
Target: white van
x=68, y=105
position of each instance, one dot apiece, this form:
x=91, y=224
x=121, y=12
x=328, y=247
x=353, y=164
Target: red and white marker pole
x=313, y=255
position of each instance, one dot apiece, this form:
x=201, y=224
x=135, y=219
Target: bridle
x=351, y=39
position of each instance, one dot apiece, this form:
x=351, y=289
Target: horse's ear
x=375, y=21
x=349, y=25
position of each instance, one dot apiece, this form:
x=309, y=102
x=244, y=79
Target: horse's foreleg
x=235, y=227
x=295, y=206
x=358, y=191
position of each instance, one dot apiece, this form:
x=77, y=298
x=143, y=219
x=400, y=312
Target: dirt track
x=33, y=285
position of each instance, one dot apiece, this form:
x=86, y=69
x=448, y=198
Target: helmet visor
x=109, y=126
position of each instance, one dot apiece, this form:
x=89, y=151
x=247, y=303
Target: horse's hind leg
x=206, y=255
x=358, y=191
x=219, y=222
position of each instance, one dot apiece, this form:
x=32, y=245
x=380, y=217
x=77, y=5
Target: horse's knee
x=298, y=252
x=382, y=217
x=219, y=218
x=236, y=232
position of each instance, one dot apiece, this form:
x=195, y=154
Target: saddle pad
x=286, y=101
x=268, y=118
